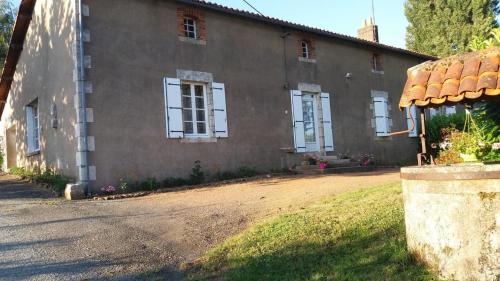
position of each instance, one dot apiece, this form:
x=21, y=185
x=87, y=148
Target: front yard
x=354, y=236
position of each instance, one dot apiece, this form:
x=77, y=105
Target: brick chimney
x=368, y=31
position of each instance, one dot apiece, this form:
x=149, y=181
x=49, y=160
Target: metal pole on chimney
x=373, y=12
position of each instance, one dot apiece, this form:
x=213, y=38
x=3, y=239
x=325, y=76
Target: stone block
x=74, y=192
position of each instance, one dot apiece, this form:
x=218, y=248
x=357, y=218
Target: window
x=377, y=64
x=190, y=27
x=305, y=49
x=194, y=109
x=187, y=105
x=382, y=119
x=33, y=127
x=447, y=110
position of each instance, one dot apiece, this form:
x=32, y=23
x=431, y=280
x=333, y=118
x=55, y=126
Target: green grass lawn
x=354, y=236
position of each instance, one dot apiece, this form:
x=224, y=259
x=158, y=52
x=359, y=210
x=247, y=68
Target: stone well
x=452, y=218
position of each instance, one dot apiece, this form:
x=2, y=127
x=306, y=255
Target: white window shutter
x=220, y=112
x=173, y=107
x=30, y=126
x=381, y=116
x=413, y=110
x=327, y=121
x=298, y=121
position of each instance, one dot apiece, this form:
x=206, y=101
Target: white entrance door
x=310, y=111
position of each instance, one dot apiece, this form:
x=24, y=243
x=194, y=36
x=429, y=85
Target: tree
x=7, y=19
x=445, y=27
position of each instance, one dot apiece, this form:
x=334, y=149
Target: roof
x=286, y=24
x=15, y=49
x=26, y=11
x=457, y=79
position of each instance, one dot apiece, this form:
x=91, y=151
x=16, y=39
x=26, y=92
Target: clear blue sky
x=335, y=15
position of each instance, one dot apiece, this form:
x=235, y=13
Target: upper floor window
x=305, y=49
x=190, y=27
x=33, y=127
x=377, y=63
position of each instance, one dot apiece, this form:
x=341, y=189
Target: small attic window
x=190, y=27
x=377, y=63
x=305, y=49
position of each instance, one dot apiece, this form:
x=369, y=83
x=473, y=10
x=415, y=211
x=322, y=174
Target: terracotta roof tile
x=459, y=78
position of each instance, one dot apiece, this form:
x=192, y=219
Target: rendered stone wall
x=453, y=225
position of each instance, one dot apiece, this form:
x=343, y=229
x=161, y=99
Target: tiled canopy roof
x=459, y=78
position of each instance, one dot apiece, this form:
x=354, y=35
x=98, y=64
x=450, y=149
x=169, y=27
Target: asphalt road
x=147, y=238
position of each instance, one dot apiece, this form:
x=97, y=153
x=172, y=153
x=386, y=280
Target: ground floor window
x=194, y=109
x=33, y=127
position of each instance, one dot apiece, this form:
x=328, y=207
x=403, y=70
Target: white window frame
x=192, y=24
x=305, y=49
x=33, y=127
x=193, y=108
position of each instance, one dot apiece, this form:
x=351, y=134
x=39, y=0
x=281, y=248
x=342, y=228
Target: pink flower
x=496, y=146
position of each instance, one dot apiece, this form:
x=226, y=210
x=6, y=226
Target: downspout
x=82, y=146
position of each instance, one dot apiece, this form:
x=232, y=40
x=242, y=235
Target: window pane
x=187, y=115
x=186, y=102
x=186, y=89
x=188, y=128
x=200, y=103
x=309, y=132
x=202, y=128
x=200, y=115
x=307, y=107
x=198, y=91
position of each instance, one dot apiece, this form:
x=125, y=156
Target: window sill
x=381, y=72
x=302, y=59
x=198, y=140
x=34, y=153
x=382, y=138
x=193, y=41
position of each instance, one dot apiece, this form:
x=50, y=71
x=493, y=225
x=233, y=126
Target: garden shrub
x=240, y=173
x=435, y=125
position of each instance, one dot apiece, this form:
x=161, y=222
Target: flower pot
x=322, y=165
x=468, y=157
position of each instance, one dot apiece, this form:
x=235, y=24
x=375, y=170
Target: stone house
x=102, y=90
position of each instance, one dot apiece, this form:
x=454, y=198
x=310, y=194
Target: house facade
x=104, y=90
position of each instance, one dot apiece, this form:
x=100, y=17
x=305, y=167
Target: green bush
x=56, y=181
x=197, y=175
x=240, y=173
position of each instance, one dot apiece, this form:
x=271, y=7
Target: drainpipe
x=81, y=124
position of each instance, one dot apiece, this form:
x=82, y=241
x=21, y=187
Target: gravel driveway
x=45, y=238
